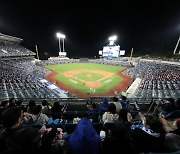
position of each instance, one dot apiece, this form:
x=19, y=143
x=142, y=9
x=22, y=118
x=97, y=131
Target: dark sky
x=144, y=26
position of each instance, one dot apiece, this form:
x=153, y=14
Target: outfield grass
x=88, y=75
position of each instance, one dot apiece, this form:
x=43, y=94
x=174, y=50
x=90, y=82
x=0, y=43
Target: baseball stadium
x=89, y=77
x=59, y=93
x=61, y=77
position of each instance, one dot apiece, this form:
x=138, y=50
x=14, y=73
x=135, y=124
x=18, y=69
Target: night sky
x=143, y=26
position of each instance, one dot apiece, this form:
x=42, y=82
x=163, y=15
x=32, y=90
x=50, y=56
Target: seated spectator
x=93, y=108
x=16, y=139
x=125, y=103
x=12, y=102
x=4, y=105
x=89, y=104
x=125, y=118
x=56, y=110
x=150, y=137
x=46, y=108
x=117, y=103
x=110, y=115
x=167, y=105
x=103, y=106
x=37, y=117
x=175, y=113
x=138, y=119
x=30, y=106
x=52, y=140
x=94, y=115
x=56, y=107
x=116, y=140
x=19, y=104
x=84, y=139
x=172, y=138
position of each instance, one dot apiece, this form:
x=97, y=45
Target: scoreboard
x=111, y=51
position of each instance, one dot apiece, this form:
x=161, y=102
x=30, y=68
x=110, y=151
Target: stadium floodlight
x=112, y=39
x=59, y=36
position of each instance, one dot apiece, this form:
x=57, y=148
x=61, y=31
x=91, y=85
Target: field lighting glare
x=59, y=35
x=112, y=38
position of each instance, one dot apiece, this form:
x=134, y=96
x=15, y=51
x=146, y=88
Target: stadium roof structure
x=4, y=37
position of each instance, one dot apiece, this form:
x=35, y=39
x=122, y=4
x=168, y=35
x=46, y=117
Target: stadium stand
x=19, y=77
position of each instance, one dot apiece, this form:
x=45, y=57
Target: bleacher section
x=51, y=86
x=158, y=80
x=10, y=47
x=20, y=79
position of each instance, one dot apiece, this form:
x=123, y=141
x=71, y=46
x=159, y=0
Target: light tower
x=63, y=36
x=176, y=47
x=59, y=36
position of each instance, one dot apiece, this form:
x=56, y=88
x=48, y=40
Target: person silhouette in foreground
x=148, y=137
x=116, y=140
x=84, y=139
x=52, y=140
x=14, y=138
x=172, y=138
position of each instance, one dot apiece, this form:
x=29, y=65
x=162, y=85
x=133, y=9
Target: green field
x=88, y=72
